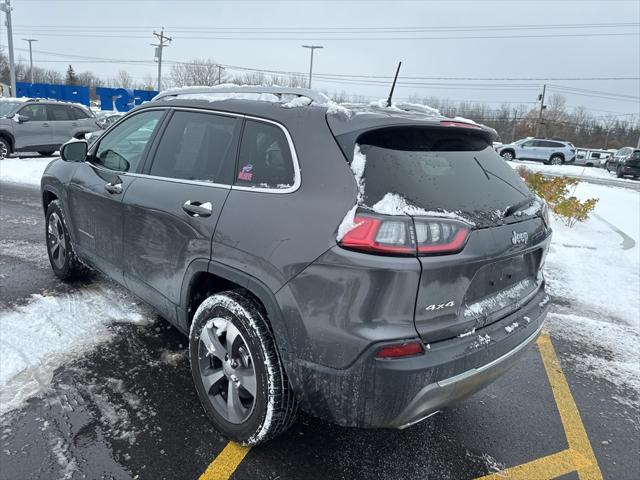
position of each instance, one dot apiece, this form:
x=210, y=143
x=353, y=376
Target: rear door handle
x=45, y=124
x=114, y=188
x=197, y=209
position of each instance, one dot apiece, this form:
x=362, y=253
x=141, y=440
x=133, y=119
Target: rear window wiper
x=516, y=207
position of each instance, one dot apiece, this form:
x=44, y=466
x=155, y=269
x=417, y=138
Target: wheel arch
x=205, y=278
x=48, y=196
x=509, y=150
x=8, y=136
x=557, y=154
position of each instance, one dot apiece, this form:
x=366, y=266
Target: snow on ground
x=569, y=170
x=595, y=268
x=23, y=169
x=38, y=337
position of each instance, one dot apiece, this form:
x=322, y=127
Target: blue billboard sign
x=120, y=99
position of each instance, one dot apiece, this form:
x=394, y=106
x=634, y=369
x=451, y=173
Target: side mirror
x=74, y=151
x=21, y=118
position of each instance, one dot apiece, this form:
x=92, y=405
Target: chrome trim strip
x=203, y=183
x=486, y=366
x=297, y=180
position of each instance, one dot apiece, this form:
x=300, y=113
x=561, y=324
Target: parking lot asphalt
x=127, y=409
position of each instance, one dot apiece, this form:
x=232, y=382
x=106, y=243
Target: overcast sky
x=421, y=33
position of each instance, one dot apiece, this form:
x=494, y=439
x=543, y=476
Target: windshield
x=7, y=108
x=437, y=169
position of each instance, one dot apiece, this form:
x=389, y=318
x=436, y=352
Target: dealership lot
x=126, y=408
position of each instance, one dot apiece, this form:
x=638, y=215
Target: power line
x=351, y=39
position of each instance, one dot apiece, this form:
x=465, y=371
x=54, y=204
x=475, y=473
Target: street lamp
x=30, y=40
x=312, y=48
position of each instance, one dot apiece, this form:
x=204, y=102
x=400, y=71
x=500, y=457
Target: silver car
x=554, y=152
x=41, y=126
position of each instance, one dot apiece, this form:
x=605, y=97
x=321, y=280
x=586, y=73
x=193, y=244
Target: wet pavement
x=127, y=408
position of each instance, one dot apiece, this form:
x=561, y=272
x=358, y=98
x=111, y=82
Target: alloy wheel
x=56, y=240
x=507, y=156
x=3, y=150
x=227, y=370
x=556, y=161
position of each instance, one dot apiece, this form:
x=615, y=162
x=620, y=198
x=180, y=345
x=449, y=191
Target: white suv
x=554, y=152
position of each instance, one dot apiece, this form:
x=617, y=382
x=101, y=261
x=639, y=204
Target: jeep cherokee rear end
x=435, y=286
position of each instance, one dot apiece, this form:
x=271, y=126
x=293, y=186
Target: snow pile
x=23, y=170
x=39, y=336
x=499, y=300
x=395, y=204
x=512, y=327
x=348, y=223
x=577, y=171
x=596, y=272
x=218, y=97
x=357, y=167
x=298, y=102
x=334, y=108
x=405, y=107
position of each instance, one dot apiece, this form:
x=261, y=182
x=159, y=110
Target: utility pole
x=6, y=8
x=515, y=123
x=312, y=48
x=220, y=68
x=30, y=40
x=161, y=44
x=542, y=107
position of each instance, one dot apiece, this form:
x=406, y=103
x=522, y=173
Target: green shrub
x=555, y=191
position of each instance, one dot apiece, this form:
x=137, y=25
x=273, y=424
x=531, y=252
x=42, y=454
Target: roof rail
x=313, y=95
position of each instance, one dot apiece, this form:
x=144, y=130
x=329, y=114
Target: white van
x=593, y=157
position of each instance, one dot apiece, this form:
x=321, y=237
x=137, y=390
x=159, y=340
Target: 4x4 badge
x=519, y=237
x=439, y=306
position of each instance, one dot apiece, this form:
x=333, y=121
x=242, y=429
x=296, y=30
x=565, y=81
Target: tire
x=48, y=153
x=556, y=160
x=5, y=148
x=619, y=173
x=507, y=156
x=262, y=406
x=63, y=259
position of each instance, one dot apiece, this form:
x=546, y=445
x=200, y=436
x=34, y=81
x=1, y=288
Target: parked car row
x=34, y=125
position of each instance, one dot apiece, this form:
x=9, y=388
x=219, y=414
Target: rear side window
x=60, y=113
x=438, y=169
x=78, y=113
x=265, y=159
x=197, y=146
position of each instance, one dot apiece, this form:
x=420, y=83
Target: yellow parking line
x=579, y=457
x=579, y=444
x=226, y=462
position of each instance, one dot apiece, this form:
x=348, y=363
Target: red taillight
x=402, y=350
x=402, y=235
x=453, y=123
x=379, y=235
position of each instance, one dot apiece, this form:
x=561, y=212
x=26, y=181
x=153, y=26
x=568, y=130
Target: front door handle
x=45, y=124
x=197, y=209
x=114, y=188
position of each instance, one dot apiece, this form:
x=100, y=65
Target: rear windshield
x=437, y=169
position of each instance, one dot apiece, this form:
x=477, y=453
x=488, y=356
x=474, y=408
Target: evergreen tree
x=71, y=78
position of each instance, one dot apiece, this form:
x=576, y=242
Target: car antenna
x=394, y=85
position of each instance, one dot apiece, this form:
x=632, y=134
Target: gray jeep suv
x=28, y=125
x=369, y=266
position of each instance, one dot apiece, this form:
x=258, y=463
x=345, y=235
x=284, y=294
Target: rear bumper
x=386, y=393
x=631, y=169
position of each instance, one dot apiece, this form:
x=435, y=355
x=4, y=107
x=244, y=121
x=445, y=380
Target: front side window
x=265, y=159
x=196, y=146
x=530, y=143
x=78, y=113
x=34, y=113
x=122, y=148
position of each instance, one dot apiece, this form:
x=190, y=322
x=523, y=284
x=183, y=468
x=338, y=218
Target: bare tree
x=197, y=72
